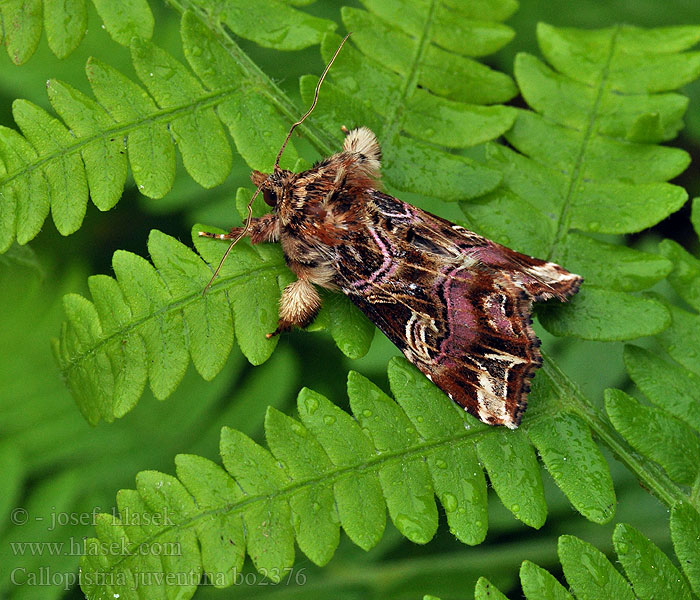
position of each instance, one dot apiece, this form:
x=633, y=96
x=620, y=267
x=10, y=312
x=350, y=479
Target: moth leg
x=299, y=305
x=262, y=229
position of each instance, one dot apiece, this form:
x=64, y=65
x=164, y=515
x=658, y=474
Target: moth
x=455, y=303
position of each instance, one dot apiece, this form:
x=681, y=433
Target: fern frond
x=589, y=164
x=65, y=24
x=329, y=470
x=146, y=323
x=418, y=78
x=270, y=23
x=667, y=432
x=54, y=165
x=54, y=464
x=589, y=574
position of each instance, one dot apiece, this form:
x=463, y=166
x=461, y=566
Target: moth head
x=273, y=185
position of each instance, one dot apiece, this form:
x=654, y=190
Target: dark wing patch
x=457, y=305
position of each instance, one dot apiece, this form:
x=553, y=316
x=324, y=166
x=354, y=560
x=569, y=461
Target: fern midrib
x=575, y=179
x=391, y=126
x=195, y=296
x=328, y=478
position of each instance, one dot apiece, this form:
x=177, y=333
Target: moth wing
x=456, y=304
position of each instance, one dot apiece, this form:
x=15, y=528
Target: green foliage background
x=577, y=173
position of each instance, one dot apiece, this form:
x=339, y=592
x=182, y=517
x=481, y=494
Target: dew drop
x=367, y=412
x=329, y=419
x=449, y=501
x=299, y=430
x=440, y=464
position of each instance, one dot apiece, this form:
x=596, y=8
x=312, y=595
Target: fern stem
x=392, y=121
x=318, y=137
x=650, y=475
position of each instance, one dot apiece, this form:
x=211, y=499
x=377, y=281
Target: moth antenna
x=313, y=104
x=249, y=219
x=238, y=238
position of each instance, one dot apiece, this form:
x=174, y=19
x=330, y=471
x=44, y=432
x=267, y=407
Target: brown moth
x=455, y=303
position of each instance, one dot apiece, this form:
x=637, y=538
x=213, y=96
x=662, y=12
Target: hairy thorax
x=316, y=216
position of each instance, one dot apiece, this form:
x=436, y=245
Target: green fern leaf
x=597, y=104
x=540, y=583
x=51, y=167
x=66, y=22
x=104, y=159
x=329, y=470
x=666, y=433
x=401, y=52
x=22, y=28
x=589, y=572
x=485, y=590
x=126, y=20
x=685, y=325
x=565, y=444
x=665, y=383
x=269, y=23
x=663, y=438
x=148, y=322
x=65, y=177
x=457, y=476
x=695, y=215
x=685, y=277
x=199, y=136
x=512, y=467
x=591, y=576
x=150, y=149
x=651, y=572
x=685, y=531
